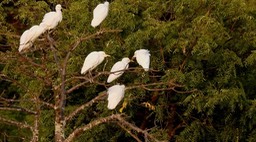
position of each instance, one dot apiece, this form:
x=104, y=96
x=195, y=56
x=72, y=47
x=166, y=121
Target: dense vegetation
x=201, y=85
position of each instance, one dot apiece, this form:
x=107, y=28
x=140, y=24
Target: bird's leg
x=90, y=76
x=116, y=111
x=105, y=65
x=50, y=31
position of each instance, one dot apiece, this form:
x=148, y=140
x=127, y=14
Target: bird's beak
x=107, y=55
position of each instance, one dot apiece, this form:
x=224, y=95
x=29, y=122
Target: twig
x=77, y=132
x=129, y=132
x=26, y=59
x=82, y=107
x=18, y=109
x=137, y=129
x=15, y=123
x=28, y=100
x=184, y=92
x=81, y=84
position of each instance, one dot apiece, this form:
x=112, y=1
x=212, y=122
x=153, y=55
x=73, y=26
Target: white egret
x=29, y=36
x=100, y=13
x=117, y=69
x=115, y=95
x=51, y=19
x=143, y=58
x=93, y=60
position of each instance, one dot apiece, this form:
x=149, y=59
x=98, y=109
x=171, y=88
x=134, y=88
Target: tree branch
x=28, y=100
x=28, y=60
x=137, y=129
x=18, y=109
x=184, y=92
x=129, y=132
x=15, y=123
x=77, y=132
x=94, y=100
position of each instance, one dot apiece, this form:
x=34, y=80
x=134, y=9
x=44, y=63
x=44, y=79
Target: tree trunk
x=59, y=119
x=35, y=130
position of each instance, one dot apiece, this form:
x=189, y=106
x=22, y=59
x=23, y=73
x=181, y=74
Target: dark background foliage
x=202, y=82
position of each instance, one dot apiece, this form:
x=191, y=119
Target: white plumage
x=29, y=36
x=93, y=60
x=120, y=65
x=100, y=13
x=51, y=19
x=143, y=58
x=115, y=95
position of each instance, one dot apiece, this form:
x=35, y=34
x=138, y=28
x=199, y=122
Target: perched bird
x=117, y=69
x=51, y=19
x=115, y=95
x=143, y=58
x=93, y=60
x=29, y=36
x=100, y=13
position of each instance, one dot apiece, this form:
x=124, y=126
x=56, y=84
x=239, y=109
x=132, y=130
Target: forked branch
x=128, y=125
x=77, y=132
x=82, y=107
x=15, y=123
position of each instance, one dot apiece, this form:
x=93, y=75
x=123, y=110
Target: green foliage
x=201, y=86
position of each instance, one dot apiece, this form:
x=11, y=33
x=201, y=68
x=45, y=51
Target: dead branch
x=27, y=100
x=76, y=87
x=146, y=85
x=26, y=59
x=15, y=123
x=184, y=92
x=19, y=109
x=83, y=83
x=129, y=132
x=137, y=129
x=77, y=132
x=82, y=107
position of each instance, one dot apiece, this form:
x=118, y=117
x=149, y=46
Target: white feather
x=29, y=36
x=143, y=58
x=120, y=65
x=100, y=13
x=115, y=95
x=93, y=60
x=51, y=19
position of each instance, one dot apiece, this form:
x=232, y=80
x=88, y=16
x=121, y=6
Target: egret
x=93, y=60
x=115, y=95
x=100, y=13
x=29, y=36
x=118, y=68
x=51, y=19
x=143, y=58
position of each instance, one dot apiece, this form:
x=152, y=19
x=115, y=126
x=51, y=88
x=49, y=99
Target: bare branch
x=137, y=129
x=77, y=132
x=27, y=100
x=15, y=123
x=184, y=92
x=77, y=42
x=18, y=109
x=10, y=35
x=145, y=85
x=26, y=59
x=76, y=87
x=46, y=104
x=9, y=79
x=94, y=100
x=156, y=89
x=100, y=32
x=83, y=83
x=129, y=132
